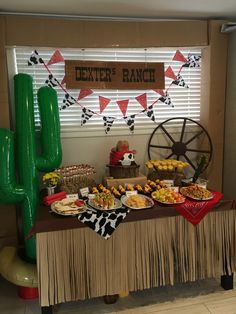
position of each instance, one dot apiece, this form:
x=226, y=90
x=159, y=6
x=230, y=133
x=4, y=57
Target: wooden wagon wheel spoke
x=169, y=155
x=193, y=138
x=170, y=137
x=182, y=131
x=178, y=146
x=198, y=150
x=161, y=146
x=190, y=162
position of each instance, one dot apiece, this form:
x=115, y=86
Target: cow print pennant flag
x=166, y=99
x=51, y=81
x=130, y=122
x=108, y=121
x=86, y=115
x=35, y=59
x=67, y=101
x=193, y=61
x=150, y=113
x=180, y=81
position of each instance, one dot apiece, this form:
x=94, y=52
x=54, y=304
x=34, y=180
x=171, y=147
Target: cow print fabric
x=180, y=81
x=130, y=122
x=67, y=101
x=166, y=99
x=108, y=121
x=104, y=223
x=193, y=62
x=86, y=115
x=150, y=113
x=51, y=81
x=35, y=59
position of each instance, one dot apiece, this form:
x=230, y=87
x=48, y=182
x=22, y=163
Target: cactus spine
x=28, y=163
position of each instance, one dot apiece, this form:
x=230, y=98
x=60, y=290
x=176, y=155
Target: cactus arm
x=10, y=192
x=28, y=163
x=26, y=155
x=50, y=130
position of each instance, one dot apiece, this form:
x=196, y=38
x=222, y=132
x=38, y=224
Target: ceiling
x=157, y=9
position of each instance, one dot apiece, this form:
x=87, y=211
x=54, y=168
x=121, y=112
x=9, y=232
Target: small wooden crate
x=119, y=171
x=109, y=182
x=167, y=175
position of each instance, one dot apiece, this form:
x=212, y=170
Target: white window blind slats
x=186, y=101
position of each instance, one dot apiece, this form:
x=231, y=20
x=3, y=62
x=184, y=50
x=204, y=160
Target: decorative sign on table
x=84, y=192
x=114, y=75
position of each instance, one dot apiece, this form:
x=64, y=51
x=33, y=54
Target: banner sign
x=81, y=74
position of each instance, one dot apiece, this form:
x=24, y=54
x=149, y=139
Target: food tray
x=117, y=205
x=124, y=199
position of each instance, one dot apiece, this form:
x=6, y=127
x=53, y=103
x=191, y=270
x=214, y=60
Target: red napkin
x=48, y=200
x=195, y=211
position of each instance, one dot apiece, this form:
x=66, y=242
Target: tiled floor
x=202, y=297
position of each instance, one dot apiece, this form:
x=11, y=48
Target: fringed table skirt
x=77, y=264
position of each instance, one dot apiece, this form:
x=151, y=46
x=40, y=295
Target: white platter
x=200, y=199
x=67, y=210
x=166, y=203
x=124, y=199
x=117, y=205
x=197, y=198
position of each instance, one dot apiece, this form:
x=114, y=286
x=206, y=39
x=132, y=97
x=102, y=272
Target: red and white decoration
x=146, y=108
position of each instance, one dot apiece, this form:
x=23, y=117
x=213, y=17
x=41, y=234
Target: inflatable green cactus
x=19, y=182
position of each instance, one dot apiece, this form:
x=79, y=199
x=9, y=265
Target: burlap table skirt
x=78, y=264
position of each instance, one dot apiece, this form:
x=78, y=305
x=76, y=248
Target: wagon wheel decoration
x=181, y=139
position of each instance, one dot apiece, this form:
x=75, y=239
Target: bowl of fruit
x=168, y=196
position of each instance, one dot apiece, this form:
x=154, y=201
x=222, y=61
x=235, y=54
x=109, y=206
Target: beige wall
x=214, y=71
x=70, y=33
x=230, y=122
x=95, y=151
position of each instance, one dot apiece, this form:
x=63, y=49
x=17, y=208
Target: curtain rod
x=228, y=27
x=95, y=18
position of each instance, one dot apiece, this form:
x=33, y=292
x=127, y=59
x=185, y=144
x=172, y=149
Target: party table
x=150, y=248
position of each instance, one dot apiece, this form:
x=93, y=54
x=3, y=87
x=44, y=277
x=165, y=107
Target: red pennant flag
x=63, y=81
x=142, y=99
x=169, y=73
x=55, y=58
x=179, y=57
x=159, y=91
x=123, y=104
x=84, y=93
x=103, y=103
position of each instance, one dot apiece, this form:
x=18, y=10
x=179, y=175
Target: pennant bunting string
x=150, y=113
x=142, y=99
x=103, y=102
x=179, y=57
x=108, y=122
x=35, y=59
x=130, y=122
x=123, y=104
x=86, y=115
x=180, y=82
x=84, y=93
x=67, y=101
x=55, y=58
x=192, y=61
x=170, y=73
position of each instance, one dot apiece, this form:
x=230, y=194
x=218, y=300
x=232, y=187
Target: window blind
x=186, y=101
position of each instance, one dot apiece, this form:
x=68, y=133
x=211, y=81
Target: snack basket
x=167, y=169
x=76, y=177
x=166, y=175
